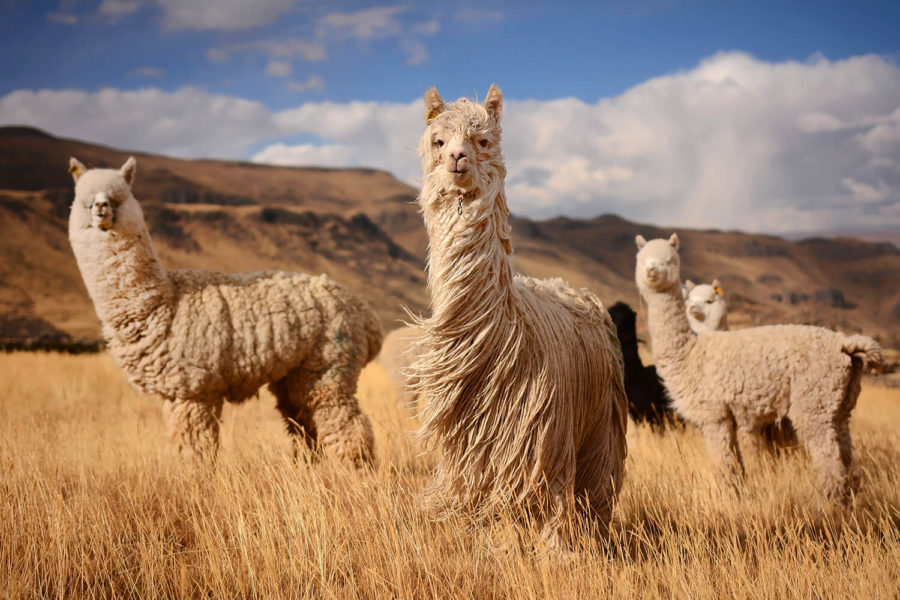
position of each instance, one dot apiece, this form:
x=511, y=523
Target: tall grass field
x=94, y=504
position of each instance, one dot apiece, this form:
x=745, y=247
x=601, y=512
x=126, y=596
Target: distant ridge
x=362, y=226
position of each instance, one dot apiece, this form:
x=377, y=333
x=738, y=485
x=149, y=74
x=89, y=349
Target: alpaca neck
x=667, y=323
x=469, y=270
x=124, y=278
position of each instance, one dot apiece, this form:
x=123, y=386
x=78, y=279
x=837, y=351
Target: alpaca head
x=705, y=304
x=658, y=265
x=104, y=204
x=460, y=148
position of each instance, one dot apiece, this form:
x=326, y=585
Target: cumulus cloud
x=226, y=15
x=291, y=48
x=188, y=123
x=314, y=82
x=278, y=68
x=733, y=143
x=363, y=25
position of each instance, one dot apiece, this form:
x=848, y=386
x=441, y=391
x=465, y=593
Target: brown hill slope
x=362, y=227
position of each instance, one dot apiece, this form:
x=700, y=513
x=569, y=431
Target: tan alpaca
x=196, y=338
x=523, y=377
x=732, y=383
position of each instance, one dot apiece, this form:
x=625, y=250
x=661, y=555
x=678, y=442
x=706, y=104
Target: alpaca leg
x=323, y=404
x=344, y=431
x=721, y=443
x=295, y=413
x=823, y=443
x=194, y=428
x=851, y=468
x=750, y=443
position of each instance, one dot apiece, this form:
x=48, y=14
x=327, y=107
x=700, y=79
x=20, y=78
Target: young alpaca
x=734, y=382
x=706, y=308
x=522, y=377
x=195, y=337
x=707, y=311
x=647, y=399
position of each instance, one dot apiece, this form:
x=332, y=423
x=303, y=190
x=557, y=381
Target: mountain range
x=362, y=226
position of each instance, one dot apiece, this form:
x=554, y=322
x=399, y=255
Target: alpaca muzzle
x=102, y=212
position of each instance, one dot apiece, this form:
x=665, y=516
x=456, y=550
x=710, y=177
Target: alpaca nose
x=652, y=272
x=457, y=154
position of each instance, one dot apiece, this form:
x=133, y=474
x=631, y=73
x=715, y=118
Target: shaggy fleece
x=195, y=338
x=523, y=377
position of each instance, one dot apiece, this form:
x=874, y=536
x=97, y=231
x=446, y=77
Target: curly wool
x=523, y=377
x=195, y=338
x=732, y=383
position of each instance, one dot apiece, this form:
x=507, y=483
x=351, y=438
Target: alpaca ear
x=494, y=102
x=128, y=170
x=718, y=287
x=434, y=105
x=673, y=241
x=76, y=168
x=689, y=285
x=640, y=241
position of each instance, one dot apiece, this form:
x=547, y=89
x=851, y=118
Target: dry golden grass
x=94, y=505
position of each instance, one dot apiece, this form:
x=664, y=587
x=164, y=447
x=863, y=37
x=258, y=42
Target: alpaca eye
x=438, y=143
x=483, y=143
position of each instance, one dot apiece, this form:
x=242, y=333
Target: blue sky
x=771, y=116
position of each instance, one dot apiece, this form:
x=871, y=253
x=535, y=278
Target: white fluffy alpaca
x=196, y=338
x=731, y=383
x=705, y=305
x=523, y=377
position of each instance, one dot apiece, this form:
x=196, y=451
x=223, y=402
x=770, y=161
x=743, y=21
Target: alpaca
x=731, y=383
x=397, y=357
x=522, y=377
x=647, y=399
x=195, y=338
x=706, y=308
x=707, y=311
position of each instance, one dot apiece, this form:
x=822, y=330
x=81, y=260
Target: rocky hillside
x=362, y=227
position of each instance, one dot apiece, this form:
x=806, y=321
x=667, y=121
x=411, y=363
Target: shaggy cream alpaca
x=523, y=377
x=195, y=338
x=705, y=305
x=731, y=383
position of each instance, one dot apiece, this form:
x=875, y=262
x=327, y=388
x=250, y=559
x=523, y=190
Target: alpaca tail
x=863, y=349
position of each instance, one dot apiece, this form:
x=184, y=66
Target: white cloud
x=187, y=123
x=733, y=143
x=277, y=68
x=63, y=18
x=227, y=15
x=286, y=49
x=416, y=52
x=117, y=8
x=364, y=25
x=313, y=83
x=325, y=155
x=864, y=192
x=427, y=29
